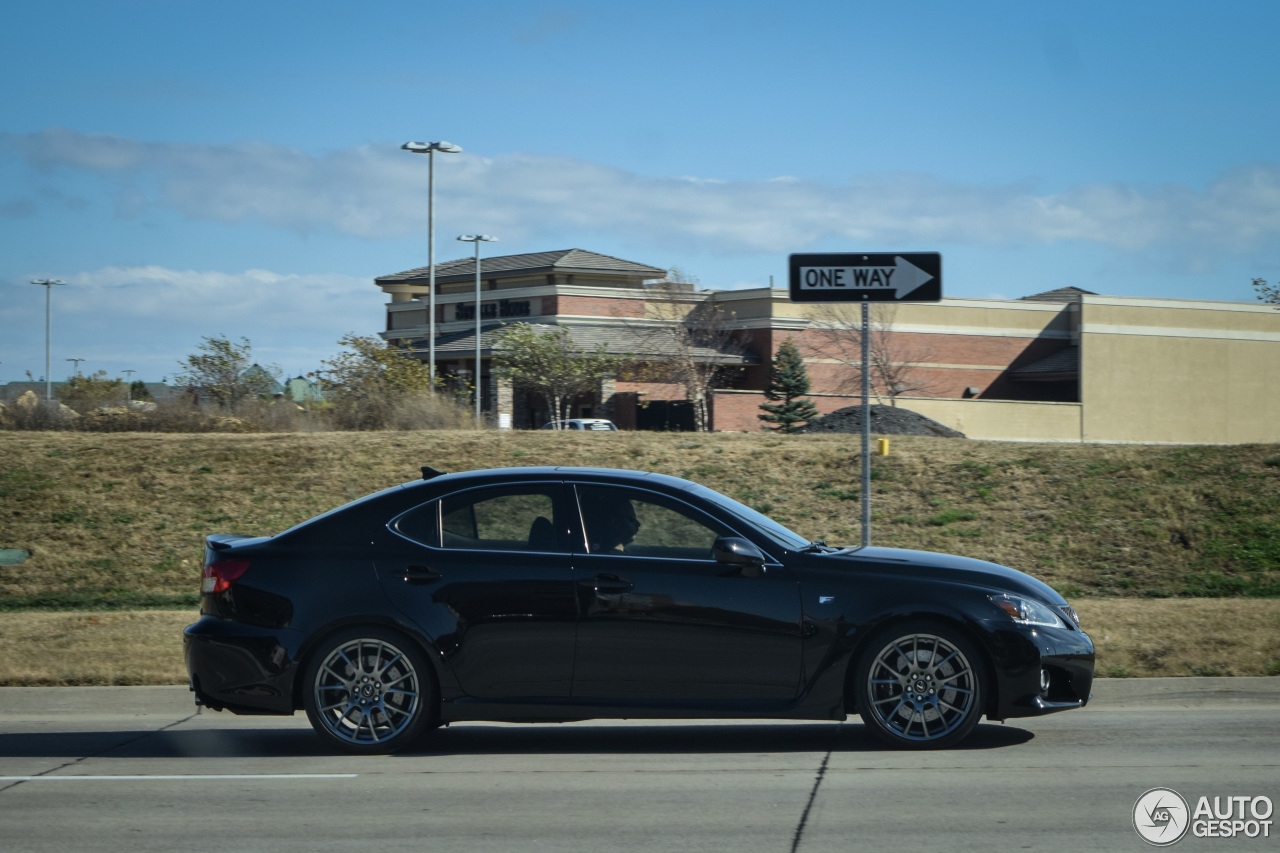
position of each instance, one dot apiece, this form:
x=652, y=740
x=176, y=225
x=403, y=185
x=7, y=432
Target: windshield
x=786, y=538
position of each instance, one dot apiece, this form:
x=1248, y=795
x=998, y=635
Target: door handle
x=420, y=575
x=610, y=584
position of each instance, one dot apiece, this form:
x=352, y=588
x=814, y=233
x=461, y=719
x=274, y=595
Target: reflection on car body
x=573, y=593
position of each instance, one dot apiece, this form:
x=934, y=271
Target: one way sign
x=857, y=277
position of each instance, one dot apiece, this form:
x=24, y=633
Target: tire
x=920, y=686
x=368, y=691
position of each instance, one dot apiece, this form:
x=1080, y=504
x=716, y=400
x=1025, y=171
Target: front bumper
x=241, y=668
x=1066, y=655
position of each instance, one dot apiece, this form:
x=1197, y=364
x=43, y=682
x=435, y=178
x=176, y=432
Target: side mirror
x=736, y=551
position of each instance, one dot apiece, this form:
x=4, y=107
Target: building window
x=493, y=310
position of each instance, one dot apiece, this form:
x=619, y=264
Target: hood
x=949, y=567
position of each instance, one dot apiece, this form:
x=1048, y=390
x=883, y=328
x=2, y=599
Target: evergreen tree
x=788, y=382
x=138, y=391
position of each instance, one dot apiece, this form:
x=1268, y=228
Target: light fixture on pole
x=430, y=149
x=77, y=361
x=478, y=239
x=47, y=284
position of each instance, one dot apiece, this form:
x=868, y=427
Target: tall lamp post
x=477, y=239
x=430, y=149
x=77, y=362
x=47, y=284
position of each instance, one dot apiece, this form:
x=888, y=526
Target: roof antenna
x=429, y=473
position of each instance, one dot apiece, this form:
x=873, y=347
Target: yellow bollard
x=882, y=447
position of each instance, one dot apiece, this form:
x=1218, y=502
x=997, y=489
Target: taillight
x=219, y=576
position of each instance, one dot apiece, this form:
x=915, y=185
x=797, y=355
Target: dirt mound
x=885, y=420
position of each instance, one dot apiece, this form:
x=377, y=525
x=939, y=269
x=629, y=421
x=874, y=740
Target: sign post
x=866, y=278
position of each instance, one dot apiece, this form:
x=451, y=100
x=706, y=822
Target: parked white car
x=595, y=424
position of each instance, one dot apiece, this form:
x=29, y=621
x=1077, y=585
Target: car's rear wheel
x=919, y=686
x=368, y=691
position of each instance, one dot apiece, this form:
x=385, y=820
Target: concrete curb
x=177, y=701
x=1188, y=692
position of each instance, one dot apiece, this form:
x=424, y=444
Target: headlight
x=1026, y=611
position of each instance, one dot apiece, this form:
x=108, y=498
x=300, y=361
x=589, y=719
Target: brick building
x=1067, y=365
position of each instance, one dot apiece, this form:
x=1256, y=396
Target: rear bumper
x=243, y=669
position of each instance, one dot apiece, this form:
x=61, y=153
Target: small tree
x=220, y=370
x=788, y=382
x=1266, y=292
x=372, y=380
x=545, y=360
x=83, y=393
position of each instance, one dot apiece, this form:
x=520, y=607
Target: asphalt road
x=136, y=769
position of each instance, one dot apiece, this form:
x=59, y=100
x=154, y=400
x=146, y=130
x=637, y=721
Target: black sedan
x=531, y=594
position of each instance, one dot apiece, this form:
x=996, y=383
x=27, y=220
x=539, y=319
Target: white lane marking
x=177, y=778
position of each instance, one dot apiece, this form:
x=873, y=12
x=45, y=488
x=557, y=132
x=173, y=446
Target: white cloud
x=376, y=193
x=147, y=318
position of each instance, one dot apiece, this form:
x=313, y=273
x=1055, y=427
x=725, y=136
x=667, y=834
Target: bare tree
x=1266, y=292
x=689, y=341
x=895, y=361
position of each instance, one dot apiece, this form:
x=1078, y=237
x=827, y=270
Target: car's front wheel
x=919, y=686
x=368, y=691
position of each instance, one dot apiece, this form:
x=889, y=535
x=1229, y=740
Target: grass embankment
x=116, y=521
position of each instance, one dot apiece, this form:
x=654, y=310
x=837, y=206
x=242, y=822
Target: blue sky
x=203, y=168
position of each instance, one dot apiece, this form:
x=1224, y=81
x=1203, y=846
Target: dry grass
x=1195, y=636
x=1134, y=638
x=119, y=519
x=64, y=649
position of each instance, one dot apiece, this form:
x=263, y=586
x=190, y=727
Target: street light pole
x=430, y=149
x=48, y=285
x=77, y=361
x=478, y=239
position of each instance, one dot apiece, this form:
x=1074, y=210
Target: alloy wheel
x=921, y=688
x=367, y=693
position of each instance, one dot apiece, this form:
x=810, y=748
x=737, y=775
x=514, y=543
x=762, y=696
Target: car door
x=662, y=621
x=485, y=573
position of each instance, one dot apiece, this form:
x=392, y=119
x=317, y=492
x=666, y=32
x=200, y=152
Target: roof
x=1062, y=294
x=639, y=342
x=260, y=374
x=563, y=261
x=1061, y=365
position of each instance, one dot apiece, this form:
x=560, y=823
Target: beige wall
x=948, y=317
x=1004, y=420
x=1179, y=371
